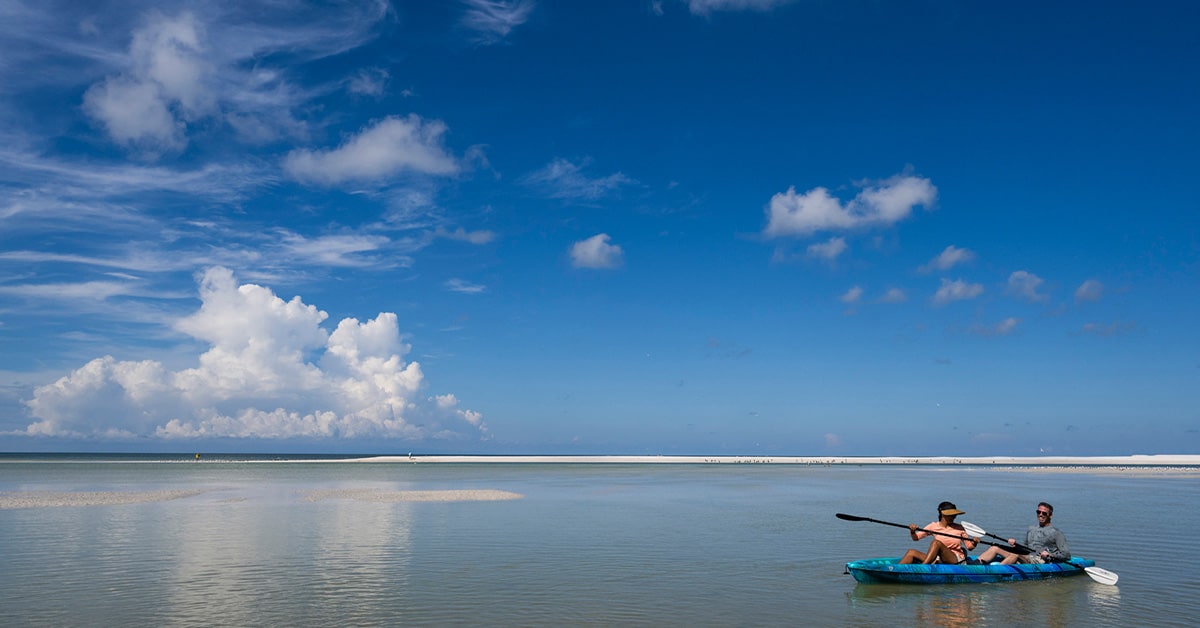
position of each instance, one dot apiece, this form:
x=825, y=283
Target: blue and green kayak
x=875, y=570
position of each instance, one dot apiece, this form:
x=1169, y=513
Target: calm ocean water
x=588, y=544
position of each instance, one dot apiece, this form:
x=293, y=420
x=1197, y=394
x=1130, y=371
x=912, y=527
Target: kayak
x=875, y=570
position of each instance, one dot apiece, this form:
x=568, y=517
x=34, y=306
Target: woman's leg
x=912, y=556
x=935, y=550
x=938, y=550
x=993, y=553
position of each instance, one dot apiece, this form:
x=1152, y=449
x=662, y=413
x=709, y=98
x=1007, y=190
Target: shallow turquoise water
x=593, y=544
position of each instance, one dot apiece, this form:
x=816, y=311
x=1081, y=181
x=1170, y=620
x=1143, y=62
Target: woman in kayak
x=950, y=542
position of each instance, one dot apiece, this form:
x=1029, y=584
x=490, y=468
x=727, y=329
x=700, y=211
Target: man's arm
x=1059, y=552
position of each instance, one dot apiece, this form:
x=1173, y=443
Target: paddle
x=847, y=517
x=1103, y=576
x=975, y=530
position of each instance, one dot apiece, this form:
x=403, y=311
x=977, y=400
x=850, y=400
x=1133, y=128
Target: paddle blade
x=846, y=517
x=979, y=532
x=973, y=529
x=1103, y=576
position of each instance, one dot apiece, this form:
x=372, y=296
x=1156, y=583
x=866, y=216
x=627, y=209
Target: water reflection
x=1049, y=603
x=1104, y=600
x=253, y=560
x=947, y=607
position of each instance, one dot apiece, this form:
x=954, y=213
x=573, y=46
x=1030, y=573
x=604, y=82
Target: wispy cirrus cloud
x=563, y=179
x=463, y=286
x=493, y=20
x=1003, y=328
x=33, y=185
x=1115, y=328
x=880, y=204
x=708, y=7
x=76, y=291
x=154, y=73
x=369, y=82
x=950, y=257
x=482, y=236
x=828, y=250
x=337, y=250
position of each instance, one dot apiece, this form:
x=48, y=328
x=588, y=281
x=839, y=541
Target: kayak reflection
x=1051, y=602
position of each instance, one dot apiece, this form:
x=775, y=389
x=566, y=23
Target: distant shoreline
x=1181, y=462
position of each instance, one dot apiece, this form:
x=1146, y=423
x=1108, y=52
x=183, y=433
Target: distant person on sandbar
x=1047, y=542
x=950, y=542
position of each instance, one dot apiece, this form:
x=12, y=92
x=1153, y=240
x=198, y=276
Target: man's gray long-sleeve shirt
x=1048, y=538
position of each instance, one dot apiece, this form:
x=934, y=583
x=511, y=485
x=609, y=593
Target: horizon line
x=1135, y=459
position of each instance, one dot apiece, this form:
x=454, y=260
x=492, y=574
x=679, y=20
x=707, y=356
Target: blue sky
x=679, y=227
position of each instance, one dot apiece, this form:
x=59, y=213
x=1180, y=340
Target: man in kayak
x=1047, y=542
x=950, y=542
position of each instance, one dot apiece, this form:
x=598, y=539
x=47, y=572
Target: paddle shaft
x=981, y=532
x=846, y=517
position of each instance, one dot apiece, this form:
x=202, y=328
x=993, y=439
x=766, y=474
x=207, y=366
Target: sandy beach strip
x=1183, y=463
x=392, y=497
x=49, y=499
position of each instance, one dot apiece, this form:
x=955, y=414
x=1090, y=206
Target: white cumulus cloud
x=1090, y=290
x=271, y=372
x=957, y=290
x=388, y=148
x=596, y=252
x=888, y=202
x=1024, y=285
x=853, y=295
x=165, y=85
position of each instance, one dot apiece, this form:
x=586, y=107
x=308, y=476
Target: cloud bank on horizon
x=672, y=225
x=257, y=380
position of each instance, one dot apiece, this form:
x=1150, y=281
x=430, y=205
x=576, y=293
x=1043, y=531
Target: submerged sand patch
x=391, y=497
x=51, y=499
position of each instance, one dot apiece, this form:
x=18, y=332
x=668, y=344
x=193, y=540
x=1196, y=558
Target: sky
x=737, y=227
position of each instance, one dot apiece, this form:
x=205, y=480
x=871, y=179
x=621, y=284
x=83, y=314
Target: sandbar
x=1178, y=462
x=50, y=499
